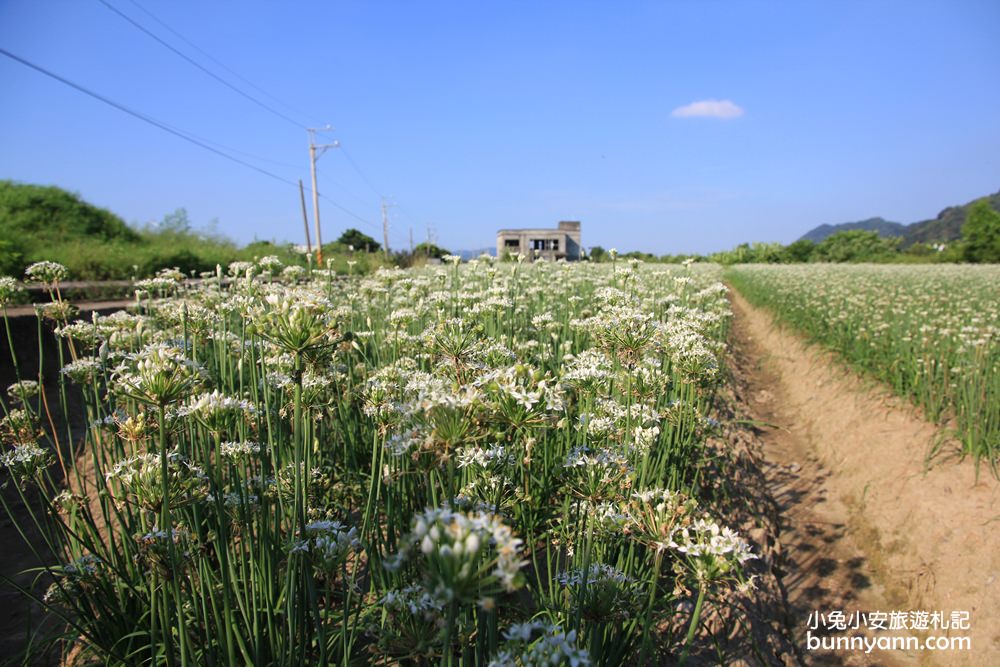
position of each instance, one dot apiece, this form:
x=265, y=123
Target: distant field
x=930, y=331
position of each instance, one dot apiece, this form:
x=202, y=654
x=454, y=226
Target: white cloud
x=709, y=109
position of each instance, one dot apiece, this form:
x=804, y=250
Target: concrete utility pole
x=305, y=217
x=313, y=156
x=411, y=241
x=385, y=225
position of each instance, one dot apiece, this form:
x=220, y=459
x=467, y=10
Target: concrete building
x=550, y=244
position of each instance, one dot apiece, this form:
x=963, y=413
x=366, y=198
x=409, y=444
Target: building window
x=512, y=243
x=545, y=244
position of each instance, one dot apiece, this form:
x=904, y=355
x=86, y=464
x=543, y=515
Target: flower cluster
x=73, y=579
x=165, y=552
x=19, y=427
x=47, y=273
x=83, y=371
x=297, y=321
x=540, y=644
x=160, y=374
x=240, y=451
x=603, y=592
x=140, y=480
x=463, y=556
x=22, y=391
x=218, y=412
x=9, y=289
x=327, y=544
x=26, y=462
x=713, y=552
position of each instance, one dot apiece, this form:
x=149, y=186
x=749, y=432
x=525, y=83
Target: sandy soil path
x=865, y=527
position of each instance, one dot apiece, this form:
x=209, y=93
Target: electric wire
x=219, y=62
x=341, y=187
x=141, y=116
x=354, y=165
x=194, y=62
x=360, y=173
x=174, y=131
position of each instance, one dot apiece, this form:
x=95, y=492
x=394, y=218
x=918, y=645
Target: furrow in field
x=865, y=526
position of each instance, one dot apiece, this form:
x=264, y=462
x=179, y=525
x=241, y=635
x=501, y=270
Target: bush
x=799, y=251
x=352, y=238
x=11, y=257
x=429, y=250
x=855, y=245
x=981, y=233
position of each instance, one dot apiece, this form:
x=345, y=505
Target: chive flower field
x=473, y=464
x=932, y=333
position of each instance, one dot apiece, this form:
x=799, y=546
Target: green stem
x=648, y=622
x=693, y=628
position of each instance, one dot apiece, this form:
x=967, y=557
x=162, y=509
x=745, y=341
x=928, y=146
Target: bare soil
x=864, y=524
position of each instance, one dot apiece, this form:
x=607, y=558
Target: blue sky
x=473, y=116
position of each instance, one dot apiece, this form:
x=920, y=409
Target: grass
x=191, y=253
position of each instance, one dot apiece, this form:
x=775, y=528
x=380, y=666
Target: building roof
x=543, y=230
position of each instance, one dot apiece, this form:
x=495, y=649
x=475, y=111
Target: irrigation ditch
x=19, y=618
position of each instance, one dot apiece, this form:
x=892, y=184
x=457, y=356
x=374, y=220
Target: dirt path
x=864, y=528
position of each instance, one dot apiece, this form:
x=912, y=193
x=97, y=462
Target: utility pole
x=305, y=217
x=411, y=241
x=313, y=156
x=385, y=225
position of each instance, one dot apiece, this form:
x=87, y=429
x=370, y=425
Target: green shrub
x=981, y=233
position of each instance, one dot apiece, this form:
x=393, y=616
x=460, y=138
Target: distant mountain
x=880, y=225
x=947, y=226
x=472, y=254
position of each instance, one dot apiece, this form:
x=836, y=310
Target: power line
x=261, y=158
x=170, y=130
x=217, y=61
x=360, y=173
x=342, y=188
x=140, y=27
x=194, y=62
x=167, y=45
x=141, y=116
x=365, y=178
x=350, y=213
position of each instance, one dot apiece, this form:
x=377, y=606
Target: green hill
x=947, y=226
x=48, y=223
x=880, y=225
x=37, y=216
